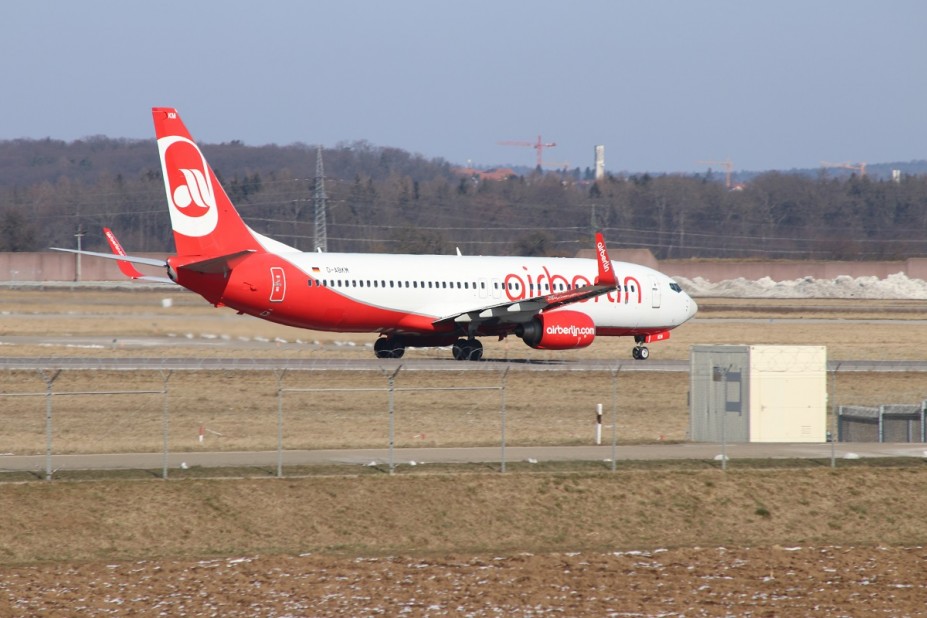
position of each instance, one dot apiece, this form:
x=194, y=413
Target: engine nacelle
x=560, y=330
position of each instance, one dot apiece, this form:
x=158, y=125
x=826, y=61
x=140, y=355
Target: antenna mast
x=318, y=199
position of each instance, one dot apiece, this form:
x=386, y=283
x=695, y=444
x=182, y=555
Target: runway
x=132, y=363
x=493, y=455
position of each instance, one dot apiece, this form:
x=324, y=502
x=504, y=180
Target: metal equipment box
x=767, y=393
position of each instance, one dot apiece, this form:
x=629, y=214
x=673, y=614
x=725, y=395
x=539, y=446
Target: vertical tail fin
x=204, y=221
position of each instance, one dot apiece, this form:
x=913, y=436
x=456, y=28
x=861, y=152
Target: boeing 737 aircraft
x=410, y=300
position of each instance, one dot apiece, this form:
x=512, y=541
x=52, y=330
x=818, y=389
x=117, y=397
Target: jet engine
x=560, y=330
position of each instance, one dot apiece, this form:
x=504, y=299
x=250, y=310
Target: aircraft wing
x=521, y=310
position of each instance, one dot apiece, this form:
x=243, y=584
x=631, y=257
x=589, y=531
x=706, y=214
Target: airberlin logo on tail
x=191, y=196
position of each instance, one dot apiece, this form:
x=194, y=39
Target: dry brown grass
x=469, y=513
x=239, y=409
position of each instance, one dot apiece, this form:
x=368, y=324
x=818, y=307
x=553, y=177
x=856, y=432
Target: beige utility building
x=758, y=393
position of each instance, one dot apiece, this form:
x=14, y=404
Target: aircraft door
x=655, y=294
x=496, y=288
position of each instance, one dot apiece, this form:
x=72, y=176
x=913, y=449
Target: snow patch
x=896, y=286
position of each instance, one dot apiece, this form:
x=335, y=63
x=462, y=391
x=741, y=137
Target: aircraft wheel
x=388, y=347
x=476, y=350
x=381, y=349
x=461, y=349
x=636, y=353
x=643, y=353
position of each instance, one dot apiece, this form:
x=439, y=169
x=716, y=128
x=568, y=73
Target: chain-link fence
x=884, y=423
x=178, y=415
x=164, y=419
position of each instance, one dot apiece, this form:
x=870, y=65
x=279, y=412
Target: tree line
x=388, y=200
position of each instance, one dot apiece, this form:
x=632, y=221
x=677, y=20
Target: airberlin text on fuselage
x=572, y=330
x=529, y=285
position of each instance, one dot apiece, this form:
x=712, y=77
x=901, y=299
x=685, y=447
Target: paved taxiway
x=426, y=364
x=485, y=455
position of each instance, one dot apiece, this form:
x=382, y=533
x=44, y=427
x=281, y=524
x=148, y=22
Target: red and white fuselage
x=411, y=300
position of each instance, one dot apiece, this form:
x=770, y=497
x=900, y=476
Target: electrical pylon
x=318, y=199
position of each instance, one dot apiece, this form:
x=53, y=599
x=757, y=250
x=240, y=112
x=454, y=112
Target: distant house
x=496, y=173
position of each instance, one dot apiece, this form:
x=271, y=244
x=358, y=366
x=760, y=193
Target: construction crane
x=728, y=169
x=859, y=168
x=538, y=145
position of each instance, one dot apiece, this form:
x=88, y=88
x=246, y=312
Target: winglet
x=606, y=269
x=124, y=267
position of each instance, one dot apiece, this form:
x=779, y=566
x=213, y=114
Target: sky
x=661, y=84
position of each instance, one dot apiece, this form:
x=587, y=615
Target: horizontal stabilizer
x=123, y=258
x=124, y=267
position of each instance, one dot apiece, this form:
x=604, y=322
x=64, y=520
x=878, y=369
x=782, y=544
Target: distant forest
x=388, y=200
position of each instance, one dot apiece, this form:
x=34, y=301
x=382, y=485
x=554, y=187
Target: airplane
x=412, y=301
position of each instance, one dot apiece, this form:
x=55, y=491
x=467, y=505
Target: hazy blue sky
x=772, y=85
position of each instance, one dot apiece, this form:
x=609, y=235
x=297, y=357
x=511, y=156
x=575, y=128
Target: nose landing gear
x=640, y=351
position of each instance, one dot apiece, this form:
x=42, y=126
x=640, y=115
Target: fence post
x=505, y=373
x=719, y=376
x=836, y=423
x=391, y=388
x=881, y=424
x=49, y=380
x=165, y=420
x=615, y=417
x=279, y=373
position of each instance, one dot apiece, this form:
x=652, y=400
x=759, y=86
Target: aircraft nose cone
x=691, y=308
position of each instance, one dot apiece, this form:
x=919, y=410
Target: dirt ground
x=716, y=581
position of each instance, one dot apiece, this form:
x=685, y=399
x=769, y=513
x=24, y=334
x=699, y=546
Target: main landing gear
x=395, y=347
x=467, y=349
x=388, y=347
x=640, y=351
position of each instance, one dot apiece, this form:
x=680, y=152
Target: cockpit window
x=675, y=286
